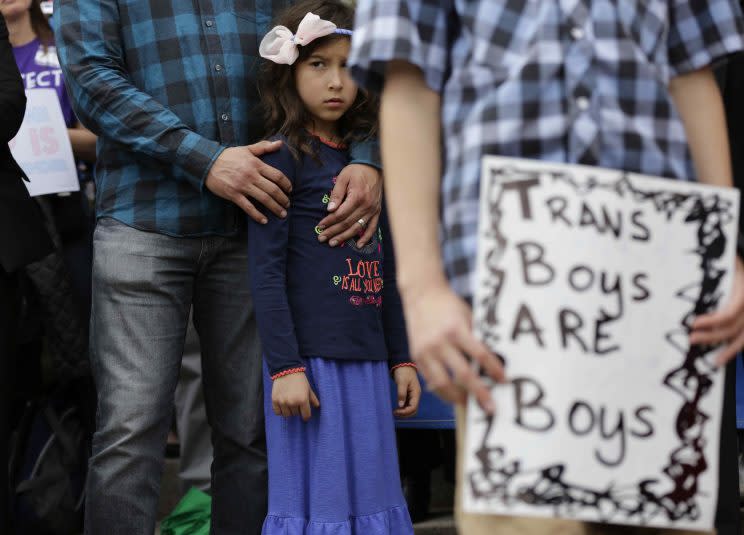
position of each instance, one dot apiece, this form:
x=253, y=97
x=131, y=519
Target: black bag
x=64, y=327
x=48, y=465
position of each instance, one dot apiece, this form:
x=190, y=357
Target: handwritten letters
x=588, y=280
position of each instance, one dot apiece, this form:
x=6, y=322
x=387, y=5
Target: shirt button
x=218, y=67
x=577, y=33
x=225, y=117
x=582, y=103
x=209, y=23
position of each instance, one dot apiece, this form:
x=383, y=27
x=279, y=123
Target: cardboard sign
x=588, y=280
x=42, y=146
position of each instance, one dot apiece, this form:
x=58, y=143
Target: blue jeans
x=143, y=287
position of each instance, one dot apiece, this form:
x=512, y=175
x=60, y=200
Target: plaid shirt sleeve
x=702, y=32
x=367, y=153
x=415, y=31
x=106, y=101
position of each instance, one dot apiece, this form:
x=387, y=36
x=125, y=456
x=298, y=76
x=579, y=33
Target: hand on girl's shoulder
x=281, y=159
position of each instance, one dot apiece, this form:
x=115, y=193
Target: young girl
x=330, y=318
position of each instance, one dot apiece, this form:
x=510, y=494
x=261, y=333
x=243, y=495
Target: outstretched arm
x=438, y=321
x=700, y=106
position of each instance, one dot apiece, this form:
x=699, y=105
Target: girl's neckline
x=329, y=143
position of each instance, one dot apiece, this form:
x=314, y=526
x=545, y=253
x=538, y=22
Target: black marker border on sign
x=505, y=479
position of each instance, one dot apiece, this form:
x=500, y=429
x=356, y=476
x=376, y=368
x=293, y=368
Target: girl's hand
x=409, y=391
x=726, y=325
x=291, y=395
x=443, y=344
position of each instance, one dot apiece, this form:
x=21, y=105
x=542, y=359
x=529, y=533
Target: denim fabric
x=143, y=287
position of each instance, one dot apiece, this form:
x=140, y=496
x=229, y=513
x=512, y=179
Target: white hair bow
x=280, y=45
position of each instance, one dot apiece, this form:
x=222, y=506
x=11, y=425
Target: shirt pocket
x=645, y=23
x=248, y=33
x=502, y=37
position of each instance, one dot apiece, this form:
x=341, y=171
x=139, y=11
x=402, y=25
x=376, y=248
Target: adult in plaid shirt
x=170, y=88
x=618, y=84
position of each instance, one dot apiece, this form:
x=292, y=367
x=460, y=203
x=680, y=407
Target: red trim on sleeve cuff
x=403, y=364
x=290, y=371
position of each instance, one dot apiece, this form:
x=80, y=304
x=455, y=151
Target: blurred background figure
x=731, y=80
x=52, y=407
x=22, y=240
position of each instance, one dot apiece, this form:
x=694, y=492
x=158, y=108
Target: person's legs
x=194, y=435
x=142, y=289
x=231, y=367
x=8, y=328
x=727, y=513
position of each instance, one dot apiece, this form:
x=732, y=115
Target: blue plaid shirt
x=576, y=81
x=167, y=85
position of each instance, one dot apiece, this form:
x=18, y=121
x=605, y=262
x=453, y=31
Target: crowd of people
x=232, y=150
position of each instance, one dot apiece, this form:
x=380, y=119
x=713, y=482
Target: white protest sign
x=42, y=146
x=588, y=280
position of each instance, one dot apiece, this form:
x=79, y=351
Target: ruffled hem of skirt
x=394, y=521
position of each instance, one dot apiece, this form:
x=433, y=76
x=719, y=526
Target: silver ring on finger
x=362, y=223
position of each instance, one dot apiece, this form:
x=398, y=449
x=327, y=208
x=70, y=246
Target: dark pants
x=727, y=512
x=144, y=285
x=8, y=328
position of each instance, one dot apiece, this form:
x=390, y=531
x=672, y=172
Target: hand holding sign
x=441, y=340
x=725, y=325
x=589, y=281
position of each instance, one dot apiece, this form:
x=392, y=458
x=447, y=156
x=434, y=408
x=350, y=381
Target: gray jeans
x=194, y=435
x=143, y=287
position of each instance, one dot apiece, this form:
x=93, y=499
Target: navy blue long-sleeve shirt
x=313, y=300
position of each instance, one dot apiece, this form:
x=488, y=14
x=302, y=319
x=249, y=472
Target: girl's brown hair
x=40, y=24
x=284, y=111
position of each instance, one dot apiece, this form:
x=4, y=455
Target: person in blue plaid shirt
x=617, y=84
x=170, y=88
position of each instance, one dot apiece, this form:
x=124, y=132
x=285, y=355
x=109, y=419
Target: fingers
x=248, y=207
x=465, y=376
x=276, y=177
x=717, y=327
x=439, y=382
x=731, y=350
x=714, y=336
x=722, y=318
x=479, y=352
x=305, y=411
x=314, y=401
x=370, y=230
x=339, y=191
x=356, y=195
x=402, y=394
x=413, y=394
x=269, y=195
x=288, y=409
x=264, y=147
x=348, y=228
x=405, y=412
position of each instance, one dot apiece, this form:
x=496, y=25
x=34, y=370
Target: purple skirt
x=338, y=473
